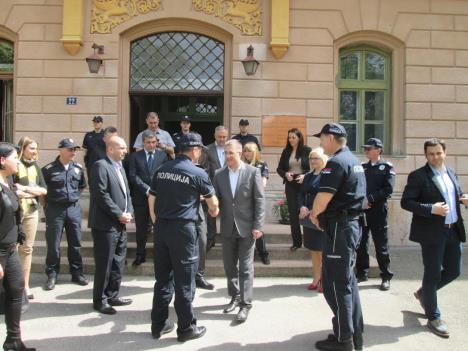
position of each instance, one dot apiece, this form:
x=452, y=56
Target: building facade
x=394, y=69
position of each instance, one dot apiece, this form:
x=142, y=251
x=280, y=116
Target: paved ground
x=285, y=317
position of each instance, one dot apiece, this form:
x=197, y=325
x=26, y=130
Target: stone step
x=277, y=251
x=214, y=268
x=274, y=233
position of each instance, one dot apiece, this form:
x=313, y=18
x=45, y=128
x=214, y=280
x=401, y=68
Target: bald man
x=110, y=210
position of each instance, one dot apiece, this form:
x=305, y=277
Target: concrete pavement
x=285, y=316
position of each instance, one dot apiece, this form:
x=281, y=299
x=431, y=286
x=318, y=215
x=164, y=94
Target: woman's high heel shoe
x=315, y=286
x=17, y=346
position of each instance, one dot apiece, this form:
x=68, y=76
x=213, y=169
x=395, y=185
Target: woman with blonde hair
x=251, y=155
x=30, y=187
x=313, y=237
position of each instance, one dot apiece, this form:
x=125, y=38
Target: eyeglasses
x=315, y=158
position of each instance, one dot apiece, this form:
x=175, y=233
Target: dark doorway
x=177, y=74
x=206, y=113
x=6, y=110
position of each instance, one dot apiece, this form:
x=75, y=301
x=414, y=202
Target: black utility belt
x=51, y=203
x=8, y=247
x=344, y=214
x=172, y=220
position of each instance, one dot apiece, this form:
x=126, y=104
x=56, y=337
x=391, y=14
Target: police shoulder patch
x=326, y=171
x=381, y=167
x=48, y=166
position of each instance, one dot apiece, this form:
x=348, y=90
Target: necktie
x=150, y=161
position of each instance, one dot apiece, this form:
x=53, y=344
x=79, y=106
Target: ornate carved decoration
x=244, y=14
x=106, y=14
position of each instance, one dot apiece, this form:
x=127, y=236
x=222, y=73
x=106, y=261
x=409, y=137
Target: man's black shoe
x=50, y=283
x=138, y=261
x=362, y=278
x=385, y=285
x=332, y=344
x=193, y=333
x=79, y=279
x=119, y=301
x=157, y=333
x=242, y=315
x=358, y=340
x=17, y=346
x=231, y=306
x=202, y=283
x=105, y=309
x=265, y=259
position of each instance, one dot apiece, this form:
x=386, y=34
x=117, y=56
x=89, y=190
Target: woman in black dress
x=292, y=166
x=313, y=238
x=251, y=155
x=11, y=273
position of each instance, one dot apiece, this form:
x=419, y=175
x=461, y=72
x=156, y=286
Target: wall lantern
x=95, y=61
x=250, y=63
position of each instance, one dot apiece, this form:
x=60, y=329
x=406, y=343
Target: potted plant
x=280, y=210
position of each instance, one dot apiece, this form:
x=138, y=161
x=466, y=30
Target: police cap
x=98, y=119
x=373, y=142
x=67, y=143
x=186, y=119
x=332, y=128
x=191, y=140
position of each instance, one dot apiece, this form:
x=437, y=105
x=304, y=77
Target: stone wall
x=434, y=89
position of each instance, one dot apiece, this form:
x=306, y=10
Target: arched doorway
x=177, y=73
x=6, y=90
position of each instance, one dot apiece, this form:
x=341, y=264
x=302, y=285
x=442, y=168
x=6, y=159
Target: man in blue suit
x=142, y=166
x=433, y=195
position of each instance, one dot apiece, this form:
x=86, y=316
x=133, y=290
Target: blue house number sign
x=72, y=100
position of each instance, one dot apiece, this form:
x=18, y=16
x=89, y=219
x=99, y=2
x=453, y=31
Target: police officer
x=185, y=124
x=336, y=210
x=244, y=137
x=174, y=207
x=65, y=181
x=94, y=144
x=380, y=179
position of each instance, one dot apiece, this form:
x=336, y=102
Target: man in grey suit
x=241, y=197
x=215, y=161
x=109, y=211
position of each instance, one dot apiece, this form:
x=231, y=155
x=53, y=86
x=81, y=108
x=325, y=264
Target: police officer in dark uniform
x=244, y=137
x=174, y=208
x=380, y=179
x=65, y=181
x=185, y=124
x=337, y=208
x=94, y=144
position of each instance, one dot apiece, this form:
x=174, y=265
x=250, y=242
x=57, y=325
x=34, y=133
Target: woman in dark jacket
x=11, y=273
x=313, y=238
x=292, y=166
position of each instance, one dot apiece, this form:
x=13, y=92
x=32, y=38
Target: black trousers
x=175, y=266
x=13, y=286
x=110, y=250
x=143, y=228
x=339, y=282
x=202, y=239
x=292, y=190
x=376, y=219
x=59, y=217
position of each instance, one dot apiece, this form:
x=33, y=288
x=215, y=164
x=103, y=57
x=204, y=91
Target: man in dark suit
x=142, y=166
x=109, y=211
x=433, y=195
x=239, y=188
x=215, y=161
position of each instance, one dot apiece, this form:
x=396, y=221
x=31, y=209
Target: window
x=177, y=61
x=6, y=90
x=364, y=92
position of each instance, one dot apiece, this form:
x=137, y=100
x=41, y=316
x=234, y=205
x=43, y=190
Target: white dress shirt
x=234, y=178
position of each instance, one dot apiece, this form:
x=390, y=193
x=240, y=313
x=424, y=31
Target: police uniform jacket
x=380, y=179
x=177, y=186
x=421, y=192
x=95, y=147
x=63, y=186
x=344, y=177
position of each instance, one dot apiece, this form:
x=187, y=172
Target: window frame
x=362, y=85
